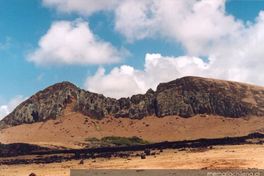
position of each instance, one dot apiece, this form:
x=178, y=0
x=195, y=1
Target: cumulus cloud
x=10, y=106
x=125, y=80
x=241, y=56
x=233, y=48
x=196, y=24
x=3, y=111
x=119, y=82
x=72, y=42
x=136, y=19
x=85, y=7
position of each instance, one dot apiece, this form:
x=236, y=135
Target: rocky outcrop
x=184, y=97
x=194, y=95
x=44, y=105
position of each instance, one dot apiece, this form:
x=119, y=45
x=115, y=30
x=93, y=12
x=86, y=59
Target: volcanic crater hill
x=185, y=97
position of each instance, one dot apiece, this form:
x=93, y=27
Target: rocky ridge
x=183, y=97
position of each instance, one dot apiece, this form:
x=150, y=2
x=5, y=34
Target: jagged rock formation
x=194, y=95
x=184, y=97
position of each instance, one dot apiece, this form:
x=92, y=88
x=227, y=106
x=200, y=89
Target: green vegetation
x=92, y=139
x=117, y=141
x=124, y=141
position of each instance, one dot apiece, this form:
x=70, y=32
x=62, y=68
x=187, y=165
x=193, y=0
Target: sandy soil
x=72, y=129
x=221, y=157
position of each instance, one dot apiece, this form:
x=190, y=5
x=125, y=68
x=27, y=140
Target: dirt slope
x=72, y=129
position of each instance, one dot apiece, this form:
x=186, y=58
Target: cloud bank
x=233, y=49
x=196, y=24
x=125, y=80
x=72, y=42
x=84, y=7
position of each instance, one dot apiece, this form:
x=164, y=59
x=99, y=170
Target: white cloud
x=125, y=80
x=10, y=106
x=241, y=56
x=3, y=111
x=203, y=27
x=136, y=19
x=69, y=42
x=196, y=24
x=85, y=7
x=119, y=82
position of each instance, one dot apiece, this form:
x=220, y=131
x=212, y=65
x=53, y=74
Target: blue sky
x=137, y=51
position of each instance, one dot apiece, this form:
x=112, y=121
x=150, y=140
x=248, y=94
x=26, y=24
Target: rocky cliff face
x=184, y=97
x=193, y=95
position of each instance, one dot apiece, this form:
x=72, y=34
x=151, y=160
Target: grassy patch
x=92, y=139
x=124, y=141
x=117, y=141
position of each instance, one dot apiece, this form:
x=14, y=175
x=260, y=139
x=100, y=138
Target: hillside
x=77, y=131
x=184, y=97
x=188, y=108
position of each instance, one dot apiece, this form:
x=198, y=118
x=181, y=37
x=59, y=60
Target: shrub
x=92, y=139
x=124, y=141
x=115, y=141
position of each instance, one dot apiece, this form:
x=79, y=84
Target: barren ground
x=72, y=129
x=221, y=157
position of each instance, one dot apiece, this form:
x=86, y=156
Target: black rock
x=147, y=152
x=143, y=156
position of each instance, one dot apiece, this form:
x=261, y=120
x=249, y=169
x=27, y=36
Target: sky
x=120, y=48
